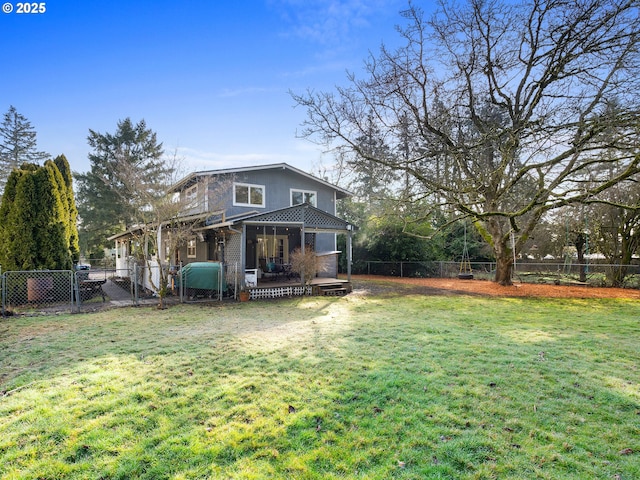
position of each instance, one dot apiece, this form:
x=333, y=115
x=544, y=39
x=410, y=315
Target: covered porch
x=260, y=247
x=255, y=250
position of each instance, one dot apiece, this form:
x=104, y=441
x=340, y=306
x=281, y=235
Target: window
x=191, y=195
x=248, y=195
x=191, y=248
x=303, y=196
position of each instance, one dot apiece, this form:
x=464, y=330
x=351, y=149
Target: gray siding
x=278, y=184
x=325, y=242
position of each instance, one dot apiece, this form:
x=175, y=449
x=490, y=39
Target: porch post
x=159, y=251
x=243, y=254
x=302, y=250
x=349, y=253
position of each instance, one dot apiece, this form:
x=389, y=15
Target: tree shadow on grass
x=314, y=388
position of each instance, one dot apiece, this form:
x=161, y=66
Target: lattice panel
x=289, y=215
x=233, y=260
x=312, y=218
x=310, y=239
x=316, y=218
x=233, y=249
x=278, y=292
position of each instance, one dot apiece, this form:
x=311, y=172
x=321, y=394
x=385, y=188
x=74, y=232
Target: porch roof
x=306, y=215
x=137, y=228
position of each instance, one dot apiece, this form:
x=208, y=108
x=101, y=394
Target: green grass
x=407, y=387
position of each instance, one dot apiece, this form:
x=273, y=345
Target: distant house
x=253, y=218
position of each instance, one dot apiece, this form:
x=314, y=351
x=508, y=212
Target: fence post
x=181, y=287
x=76, y=288
x=72, y=275
x=135, y=284
x=220, y=278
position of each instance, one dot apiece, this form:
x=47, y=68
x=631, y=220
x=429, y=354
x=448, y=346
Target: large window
x=247, y=195
x=303, y=196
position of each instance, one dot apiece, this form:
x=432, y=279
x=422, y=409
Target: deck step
x=333, y=291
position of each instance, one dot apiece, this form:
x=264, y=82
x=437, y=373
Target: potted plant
x=244, y=295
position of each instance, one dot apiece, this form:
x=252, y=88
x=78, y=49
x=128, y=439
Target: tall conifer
x=63, y=165
x=35, y=231
x=17, y=144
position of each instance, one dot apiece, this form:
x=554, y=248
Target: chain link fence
x=185, y=283
x=47, y=291
x=96, y=285
x=34, y=290
x=594, y=274
x=87, y=288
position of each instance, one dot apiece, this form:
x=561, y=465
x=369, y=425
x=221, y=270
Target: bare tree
x=307, y=264
x=616, y=226
x=574, y=223
x=507, y=106
x=166, y=222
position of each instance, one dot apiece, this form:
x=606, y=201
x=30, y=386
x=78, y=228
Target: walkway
x=118, y=296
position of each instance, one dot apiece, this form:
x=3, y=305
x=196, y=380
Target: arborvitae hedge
x=35, y=231
x=74, y=245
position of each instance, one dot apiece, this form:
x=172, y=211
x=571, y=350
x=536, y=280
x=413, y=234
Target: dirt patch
x=454, y=286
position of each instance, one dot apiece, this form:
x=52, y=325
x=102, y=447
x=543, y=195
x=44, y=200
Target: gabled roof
x=192, y=177
x=311, y=217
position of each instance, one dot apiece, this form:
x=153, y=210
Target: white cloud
x=237, y=92
x=328, y=22
x=195, y=159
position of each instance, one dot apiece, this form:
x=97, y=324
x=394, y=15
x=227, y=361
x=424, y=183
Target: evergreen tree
x=51, y=228
x=15, y=243
x=17, y=144
x=65, y=170
x=107, y=201
x=34, y=215
x=19, y=245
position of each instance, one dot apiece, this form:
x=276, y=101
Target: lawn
x=376, y=387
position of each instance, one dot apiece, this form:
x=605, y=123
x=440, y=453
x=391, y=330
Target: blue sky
x=211, y=78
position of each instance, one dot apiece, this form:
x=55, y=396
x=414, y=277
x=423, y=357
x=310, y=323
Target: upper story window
x=248, y=195
x=303, y=196
x=191, y=195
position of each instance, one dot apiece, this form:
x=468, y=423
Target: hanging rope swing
x=465, y=264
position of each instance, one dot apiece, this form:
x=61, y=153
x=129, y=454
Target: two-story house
x=253, y=217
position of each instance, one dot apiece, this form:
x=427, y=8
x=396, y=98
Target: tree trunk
x=622, y=260
x=501, y=249
x=581, y=241
x=504, y=269
x=618, y=274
